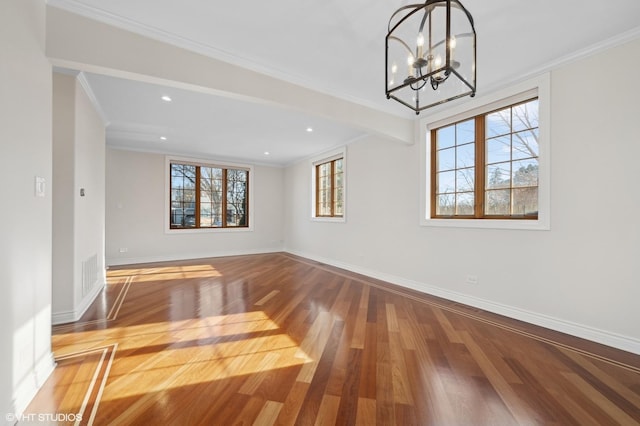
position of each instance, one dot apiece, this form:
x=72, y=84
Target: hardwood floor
x=278, y=339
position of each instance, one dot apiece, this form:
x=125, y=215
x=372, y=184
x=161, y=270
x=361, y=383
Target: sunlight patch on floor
x=167, y=273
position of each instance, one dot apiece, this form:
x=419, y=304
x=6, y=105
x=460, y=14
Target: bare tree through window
x=208, y=197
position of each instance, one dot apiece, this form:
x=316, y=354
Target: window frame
x=317, y=161
x=206, y=163
x=480, y=164
x=538, y=87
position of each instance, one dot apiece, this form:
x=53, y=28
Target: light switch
x=40, y=186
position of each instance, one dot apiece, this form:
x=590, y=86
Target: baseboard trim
x=31, y=384
x=65, y=317
x=604, y=337
x=189, y=256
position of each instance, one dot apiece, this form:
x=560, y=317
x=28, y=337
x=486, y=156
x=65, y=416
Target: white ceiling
x=332, y=46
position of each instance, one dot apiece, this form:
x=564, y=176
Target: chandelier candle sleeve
x=438, y=40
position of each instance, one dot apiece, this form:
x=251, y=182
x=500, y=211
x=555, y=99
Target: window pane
x=217, y=220
x=183, y=196
x=190, y=175
x=498, y=176
x=498, y=202
x=464, y=203
x=177, y=181
x=177, y=215
x=324, y=202
x=465, y=132
x=205, y=172
x=446, y=159
x=525, y=173
x=498, y=149
x=525, y=144
x=465, y=156
x=189, y=218
x=206, y=191
x=446, y=137
x=498, y=123
x=326, y=182
x=324, y=169
x=176, y=195
x=205, y=196
x=206, y=216
x=525, y=116
x=236, y=197
x=337, y=202
x=337, y=177
x=446, y=182
x=337, y=194
x=239, y=175
x=465, y=180
x=525, y=201
x=210, y=194
x=445, y=204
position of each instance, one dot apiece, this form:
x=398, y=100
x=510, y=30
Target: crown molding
x=583, y=53
x=157, y=34
x=118, y=21
x=82, y=79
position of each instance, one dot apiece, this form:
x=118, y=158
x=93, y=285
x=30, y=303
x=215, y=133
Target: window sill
x=180, y=231
x=527, y=225
x=328, y=219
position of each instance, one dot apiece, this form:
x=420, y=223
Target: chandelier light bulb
x=452, y=42
x=420, y=43
x=394, y=68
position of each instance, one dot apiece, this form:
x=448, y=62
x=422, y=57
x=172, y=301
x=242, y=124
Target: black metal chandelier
x=430, y=54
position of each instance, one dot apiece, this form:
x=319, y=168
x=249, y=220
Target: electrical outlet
x=472, y=279
x=123, y=249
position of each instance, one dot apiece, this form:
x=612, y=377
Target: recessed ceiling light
x=266, y=153
x=163, y=138
x=309, y=129
x=166, y=98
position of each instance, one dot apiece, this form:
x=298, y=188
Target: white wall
x=89, y=213
x=63, y=188
x=135, y=206
x=25, y=220
x=581, y=277
x=79, y=221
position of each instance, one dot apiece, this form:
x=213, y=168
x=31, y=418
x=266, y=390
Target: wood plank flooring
x=278, y=339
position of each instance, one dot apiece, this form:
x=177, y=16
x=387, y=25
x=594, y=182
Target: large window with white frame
x=204, y=195
x=328, y=187
x=488, y=166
